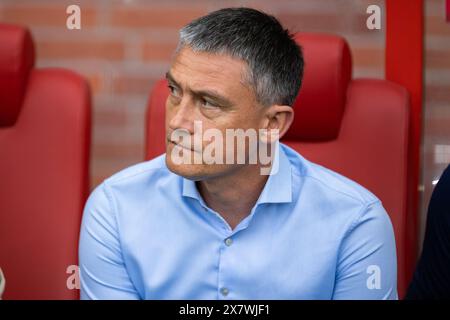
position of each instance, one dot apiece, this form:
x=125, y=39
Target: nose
x=181, y=116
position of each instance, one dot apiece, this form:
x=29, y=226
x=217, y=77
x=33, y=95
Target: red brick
x=436, y=25
x=134, y=84
x=438, y=94
x=114, y=151
x=437, y=58
x=302, y=22
x=158, y=51
x=110, y=117
x=438, y=126
x=44, y=15
x=154, y=16
x=78, y=49
x=368, y=57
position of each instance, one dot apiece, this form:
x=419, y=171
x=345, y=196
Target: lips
x=181, y=146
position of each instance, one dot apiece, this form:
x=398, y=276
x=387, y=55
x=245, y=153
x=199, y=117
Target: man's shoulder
x=130, y=188
x=328, y=180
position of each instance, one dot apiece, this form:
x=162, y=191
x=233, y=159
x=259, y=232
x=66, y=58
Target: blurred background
x=123, y=47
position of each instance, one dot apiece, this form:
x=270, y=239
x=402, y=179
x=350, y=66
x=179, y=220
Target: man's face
x=207, y=89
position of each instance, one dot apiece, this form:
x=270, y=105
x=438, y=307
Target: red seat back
x=44, y=158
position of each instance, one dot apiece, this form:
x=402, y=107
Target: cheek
x=167, y=112
x=167, y=122
x=244, y=121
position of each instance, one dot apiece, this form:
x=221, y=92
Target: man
x=432, y=276
x=176, y=228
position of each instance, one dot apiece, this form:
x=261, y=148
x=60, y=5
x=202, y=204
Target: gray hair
x=274, y=60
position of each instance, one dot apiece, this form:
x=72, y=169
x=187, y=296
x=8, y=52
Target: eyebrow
x=212, y=94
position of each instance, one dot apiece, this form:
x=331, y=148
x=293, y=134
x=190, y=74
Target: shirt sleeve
x=367, y=263
x=103, y=274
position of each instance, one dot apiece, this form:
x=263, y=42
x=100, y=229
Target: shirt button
x=228, y=241
x=224, y=291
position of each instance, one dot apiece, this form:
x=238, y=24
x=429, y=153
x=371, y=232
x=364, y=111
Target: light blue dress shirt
x=313, y=234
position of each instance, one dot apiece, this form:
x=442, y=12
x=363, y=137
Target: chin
x=194, y=172
x=188, y=171
x=198, y=172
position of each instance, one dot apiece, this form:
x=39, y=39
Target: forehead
x=202, y=70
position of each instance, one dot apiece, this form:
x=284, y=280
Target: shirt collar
x=278, y=188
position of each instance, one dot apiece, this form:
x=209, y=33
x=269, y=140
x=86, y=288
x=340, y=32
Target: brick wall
x=124, y=46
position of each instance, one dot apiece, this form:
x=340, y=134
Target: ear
x=277, y=119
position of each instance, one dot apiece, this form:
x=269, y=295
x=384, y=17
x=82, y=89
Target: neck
x=233, y=196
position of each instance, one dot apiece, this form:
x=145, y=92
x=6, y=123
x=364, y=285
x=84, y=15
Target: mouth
x=181, y=146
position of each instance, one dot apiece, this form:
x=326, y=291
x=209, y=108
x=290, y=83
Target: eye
x=173, y=91
x=208, y=104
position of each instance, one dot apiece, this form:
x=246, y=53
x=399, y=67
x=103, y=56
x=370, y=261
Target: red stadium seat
x=44, y=159
x=357, y=127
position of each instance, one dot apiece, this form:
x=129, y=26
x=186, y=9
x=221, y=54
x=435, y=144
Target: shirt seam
x=361, y=213
x=352, y=227
x=361, y=201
